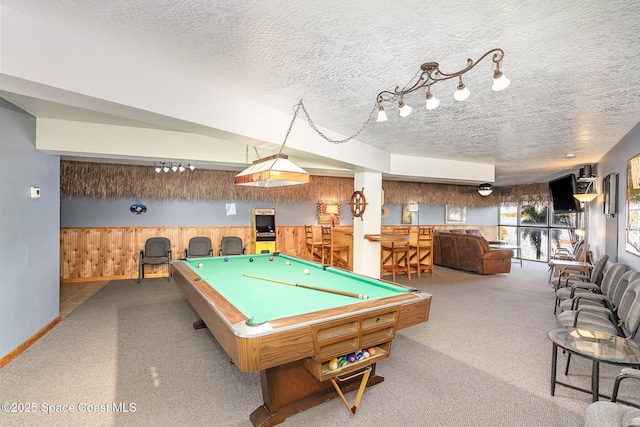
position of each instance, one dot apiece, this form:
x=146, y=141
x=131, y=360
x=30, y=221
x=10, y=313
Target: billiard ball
x=270, y=258
x=200, y=265
x=226, y=259
x=342, y=361
x=288, y=262
x=306, y=271
x=365, y=354
x=351, y=358
x=359, y=355
x=250, y=259
x=333, y=363
x=372, y=351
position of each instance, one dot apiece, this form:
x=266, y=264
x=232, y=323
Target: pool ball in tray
x=339, y=362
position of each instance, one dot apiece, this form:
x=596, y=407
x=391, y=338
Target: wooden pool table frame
x=285, y=349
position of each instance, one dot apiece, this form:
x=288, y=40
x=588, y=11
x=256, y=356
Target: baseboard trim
x=109, y=278
x=25, y=345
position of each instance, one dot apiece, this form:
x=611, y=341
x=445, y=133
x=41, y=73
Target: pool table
x=262, y=312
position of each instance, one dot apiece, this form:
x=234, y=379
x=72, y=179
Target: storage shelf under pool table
x=322, y=372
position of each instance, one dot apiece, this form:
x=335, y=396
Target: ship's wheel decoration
x=358, y=203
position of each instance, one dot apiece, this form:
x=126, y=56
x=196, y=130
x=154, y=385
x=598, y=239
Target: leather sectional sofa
x=469, y=250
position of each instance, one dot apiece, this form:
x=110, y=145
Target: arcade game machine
x=263, y=236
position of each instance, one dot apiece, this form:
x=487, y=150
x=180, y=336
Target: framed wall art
x=455, y=214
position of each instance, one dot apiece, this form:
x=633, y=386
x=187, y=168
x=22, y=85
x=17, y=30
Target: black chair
x=231, y=245
x=157, y=250
x=199, y=247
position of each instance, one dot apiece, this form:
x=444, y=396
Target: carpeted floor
x=483, y=359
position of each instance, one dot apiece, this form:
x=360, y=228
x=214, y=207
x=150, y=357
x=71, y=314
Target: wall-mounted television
x=562, y=190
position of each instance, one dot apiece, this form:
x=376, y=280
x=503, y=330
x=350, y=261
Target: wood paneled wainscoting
x=88, y=253
x=108, y=253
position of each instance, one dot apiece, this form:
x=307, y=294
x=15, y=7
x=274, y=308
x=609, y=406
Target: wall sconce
x=429, y=74
x=589, y=193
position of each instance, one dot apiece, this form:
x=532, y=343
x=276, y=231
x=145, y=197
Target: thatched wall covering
x=115, y=181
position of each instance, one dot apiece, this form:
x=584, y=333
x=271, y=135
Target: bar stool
x=314, y=247
x=395, y=254
x=422, y=252
x=332, y=252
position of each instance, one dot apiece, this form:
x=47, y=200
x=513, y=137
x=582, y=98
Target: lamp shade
x=332, y=209
x=500, y=82
x=585, y=197
x=432, y=102
x=405, y=110
x=273, y=171
x=462, y=93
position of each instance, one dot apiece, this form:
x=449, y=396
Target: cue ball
x=288, y=262
x=226, y=259
x=250, y=259
x=200, y=265
x=270, y=258
x=306, y=271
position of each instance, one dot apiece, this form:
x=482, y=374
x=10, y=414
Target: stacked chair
x=609, y=297
x=611, y=306
x=604, y=313
x=577, y=253
x=564, y=283
x=622, y=320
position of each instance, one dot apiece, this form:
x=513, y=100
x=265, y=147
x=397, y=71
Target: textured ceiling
x=573, y=66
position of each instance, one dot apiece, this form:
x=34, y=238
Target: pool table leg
x=291, y=388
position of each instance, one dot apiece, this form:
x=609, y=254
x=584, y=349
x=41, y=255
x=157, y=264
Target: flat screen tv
x=562, y=190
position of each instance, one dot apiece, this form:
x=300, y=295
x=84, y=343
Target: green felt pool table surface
x=262, y=300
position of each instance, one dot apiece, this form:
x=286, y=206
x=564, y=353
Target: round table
x=594, y=345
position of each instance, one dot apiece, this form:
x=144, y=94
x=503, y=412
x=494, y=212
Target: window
x=536, y=229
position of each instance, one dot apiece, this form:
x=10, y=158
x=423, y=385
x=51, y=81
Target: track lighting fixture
x=429, y=74
x=171, y=166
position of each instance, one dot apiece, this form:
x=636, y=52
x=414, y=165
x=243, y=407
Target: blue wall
x=608, y=234
x=86, y=212
x=29, y=231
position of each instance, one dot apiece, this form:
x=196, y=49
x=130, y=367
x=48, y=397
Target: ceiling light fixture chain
x=337, y=141
x=296, y=108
